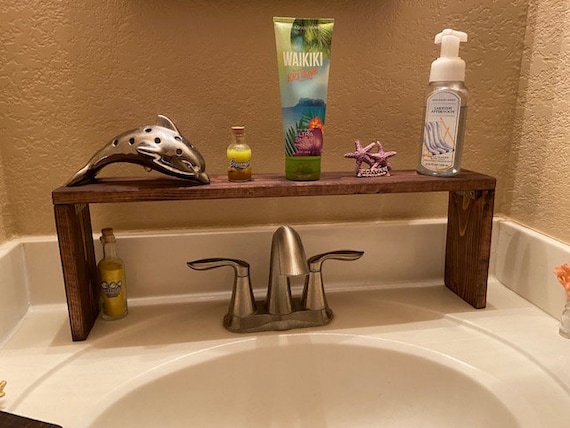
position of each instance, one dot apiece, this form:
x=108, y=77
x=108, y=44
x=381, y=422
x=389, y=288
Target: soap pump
x=445, y=109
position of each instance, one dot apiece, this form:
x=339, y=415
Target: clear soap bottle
x=239, y=156
x=112, y=285
x=445, y=110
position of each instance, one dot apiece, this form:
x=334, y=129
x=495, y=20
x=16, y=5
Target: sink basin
x=313, y=380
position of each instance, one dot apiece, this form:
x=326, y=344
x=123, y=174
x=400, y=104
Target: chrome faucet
x=242, y=303
x=287, y=260
x=279, y=311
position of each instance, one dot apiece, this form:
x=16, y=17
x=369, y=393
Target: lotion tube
x=303, y=59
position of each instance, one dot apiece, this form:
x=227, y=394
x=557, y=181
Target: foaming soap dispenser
x=445, y=109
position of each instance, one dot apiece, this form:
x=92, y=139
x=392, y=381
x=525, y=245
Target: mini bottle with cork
x=239, y=156
x=112, y=285
x=445, y=109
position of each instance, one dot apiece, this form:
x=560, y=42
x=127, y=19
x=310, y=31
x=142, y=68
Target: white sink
x=313, y=380
x=409, y=357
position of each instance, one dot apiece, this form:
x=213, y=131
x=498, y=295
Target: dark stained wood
x=468, y=244
x=9, y=420
x=263, y=186
x=73, y=224
x=470, y=215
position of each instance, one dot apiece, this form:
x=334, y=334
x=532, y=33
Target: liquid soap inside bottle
x=445, y=109
x=445, y=115
x=239, y=156
x=112, y=284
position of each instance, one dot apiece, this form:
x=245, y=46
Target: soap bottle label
x=443, y=111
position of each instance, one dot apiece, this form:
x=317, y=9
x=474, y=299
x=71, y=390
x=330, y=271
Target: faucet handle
x=242, y=302
x=241, y=267
x=314, y=292
x=315, y=262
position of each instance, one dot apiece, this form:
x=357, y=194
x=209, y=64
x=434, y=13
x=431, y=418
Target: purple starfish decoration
x=381, y=157
x=378, y=161
x=361, y=154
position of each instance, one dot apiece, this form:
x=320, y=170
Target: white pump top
x=448, y=67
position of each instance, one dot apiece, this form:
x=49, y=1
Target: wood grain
x=263, y=186
x=468, y=244
x=75, y=237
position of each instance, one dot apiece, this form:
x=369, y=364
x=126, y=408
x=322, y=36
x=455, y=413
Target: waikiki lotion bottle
x=303, y=60
x=445, y=109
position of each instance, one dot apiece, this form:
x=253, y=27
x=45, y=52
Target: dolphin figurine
x=160, y=147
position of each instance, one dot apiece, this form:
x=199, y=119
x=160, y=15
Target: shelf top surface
x=108, y=190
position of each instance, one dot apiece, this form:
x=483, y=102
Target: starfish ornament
x=377, y=161
x=361, y=154
x=381, y=157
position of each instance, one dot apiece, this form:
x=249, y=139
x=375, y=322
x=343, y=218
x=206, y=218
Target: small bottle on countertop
x=445, y=109
x=112, y=285
x=239, y=156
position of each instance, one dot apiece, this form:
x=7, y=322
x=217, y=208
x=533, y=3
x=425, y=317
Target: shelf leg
x=73, y=224
x=468, y=244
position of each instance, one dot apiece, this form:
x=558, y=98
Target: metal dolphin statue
x=160, y=147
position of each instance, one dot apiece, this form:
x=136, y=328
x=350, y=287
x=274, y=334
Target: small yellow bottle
x=112, y=285
x=239, y=156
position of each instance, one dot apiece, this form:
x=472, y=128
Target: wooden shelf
x=264, y=186
x=470, y=213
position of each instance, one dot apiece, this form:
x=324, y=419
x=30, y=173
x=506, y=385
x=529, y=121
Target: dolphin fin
x=167, y=123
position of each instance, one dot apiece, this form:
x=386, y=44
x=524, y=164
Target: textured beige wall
x=539, y=188
x=4, y=214
x=76, y=73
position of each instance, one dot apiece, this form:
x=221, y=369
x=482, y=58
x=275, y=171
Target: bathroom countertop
x=53, y=379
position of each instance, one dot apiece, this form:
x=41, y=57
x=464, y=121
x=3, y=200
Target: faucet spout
x=287, y=260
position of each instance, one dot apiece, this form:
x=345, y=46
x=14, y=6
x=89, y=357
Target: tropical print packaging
x=303, y=58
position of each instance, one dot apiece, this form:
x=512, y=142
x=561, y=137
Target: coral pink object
x=563, y=274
